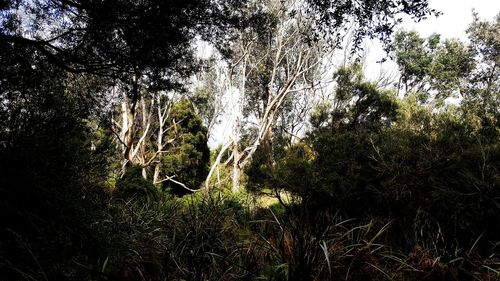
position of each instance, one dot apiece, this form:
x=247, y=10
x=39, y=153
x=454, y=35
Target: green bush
x=132, y=184
x=189, y=157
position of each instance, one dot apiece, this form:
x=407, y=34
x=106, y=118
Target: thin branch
x=176, y=182
x=216, y=163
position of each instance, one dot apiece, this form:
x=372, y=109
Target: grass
x=230, y=237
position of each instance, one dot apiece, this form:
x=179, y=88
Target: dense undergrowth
x=411, y=199
x=227, y=237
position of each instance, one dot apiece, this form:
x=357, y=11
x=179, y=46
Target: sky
x=456, y=17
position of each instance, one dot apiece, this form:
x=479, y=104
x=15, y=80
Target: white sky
x=457, y=15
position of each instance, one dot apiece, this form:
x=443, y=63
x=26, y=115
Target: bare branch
x=176, y=182
x=215, y=164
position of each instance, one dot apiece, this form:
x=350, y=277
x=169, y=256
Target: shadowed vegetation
x=106, y=173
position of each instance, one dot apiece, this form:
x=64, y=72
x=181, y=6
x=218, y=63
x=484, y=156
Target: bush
x=132, y=184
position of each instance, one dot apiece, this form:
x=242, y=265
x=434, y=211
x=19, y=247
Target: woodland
x=322, y=172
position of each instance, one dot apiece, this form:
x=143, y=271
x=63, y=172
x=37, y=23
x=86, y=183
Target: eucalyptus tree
x=210, y=92
x=280, y=57
x=271, y=62
x=146, y=46
x=143, y=46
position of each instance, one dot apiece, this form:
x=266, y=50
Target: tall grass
x=228, y=237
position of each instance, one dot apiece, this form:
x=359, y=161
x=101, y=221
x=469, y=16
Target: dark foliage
x=119, y=38
x=375, y=19
x=189, y=157
x=434, y=174
x=49, y=171
x=132, y=184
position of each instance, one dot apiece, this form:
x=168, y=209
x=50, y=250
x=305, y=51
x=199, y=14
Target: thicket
x=387, y=183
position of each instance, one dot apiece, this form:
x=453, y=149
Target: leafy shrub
x=132, y=184
x=189, y=157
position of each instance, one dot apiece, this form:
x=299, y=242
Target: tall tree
x=280, y=55
x=186, y=165
x=482, y=95
x=147, y=39
x=144, y=46
x=51, y=163
x=431, y=68
x=272, y=62
x=210, y=94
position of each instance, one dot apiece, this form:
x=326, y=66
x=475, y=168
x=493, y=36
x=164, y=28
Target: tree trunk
x=146, y=123
x=127, y=133
x=156, y=174
x=236, y=169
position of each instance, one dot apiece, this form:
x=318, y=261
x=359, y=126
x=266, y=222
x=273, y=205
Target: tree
x=186, y=165
x=208, y=96
x=143, y=46
x=481, y=96
x=52, y=161
x=279, y=56
x=357, y=109
x=146, y=142
x=433, y=172
x=431, y=68
x=142, y=41
x=273, y=62
x=368, y=18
